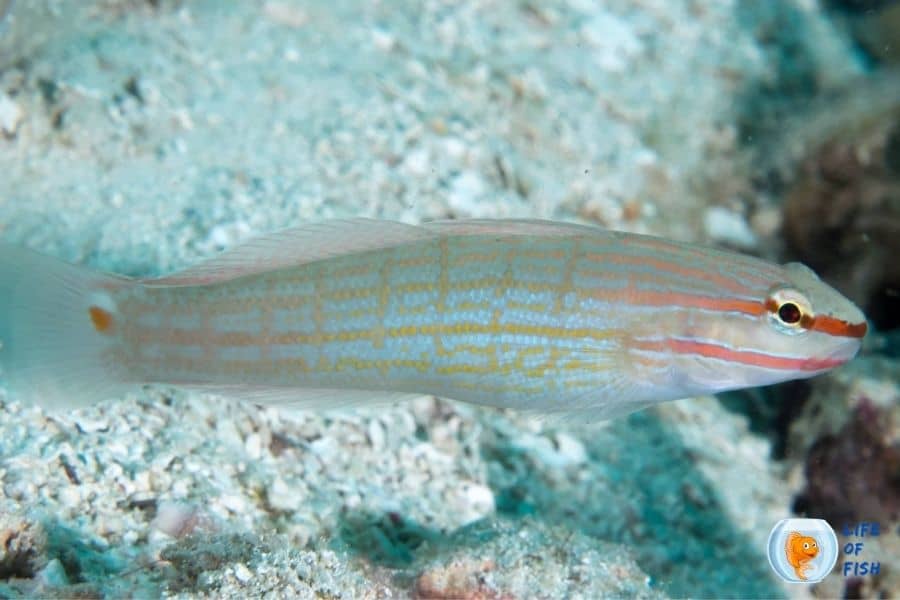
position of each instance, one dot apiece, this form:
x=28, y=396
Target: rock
x=177, y=519
x=23, y=547
x=11, y=115
x=473, y=502
x=465, y=195
x=53, y=575
x=281, y=497
x=285, y=14
x=463, y=579
x=195, y=555
x=504, y=560
x=614, y=39
x=728, y=227
x=242, y=573
x=852, y=475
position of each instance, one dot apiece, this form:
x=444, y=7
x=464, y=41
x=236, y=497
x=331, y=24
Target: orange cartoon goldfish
x=800, y=550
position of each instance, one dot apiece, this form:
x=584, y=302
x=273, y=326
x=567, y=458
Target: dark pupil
x=789, y=313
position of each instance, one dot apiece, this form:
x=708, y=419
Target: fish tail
x=58, y=331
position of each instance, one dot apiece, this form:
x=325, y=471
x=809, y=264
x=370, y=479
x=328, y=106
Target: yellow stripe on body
x=492, y=348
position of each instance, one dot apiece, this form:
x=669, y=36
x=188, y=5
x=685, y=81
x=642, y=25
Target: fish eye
x=789, y=309
x=789, y=313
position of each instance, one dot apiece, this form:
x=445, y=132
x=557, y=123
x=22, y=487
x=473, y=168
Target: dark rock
x=854, y=474
x=23, y=549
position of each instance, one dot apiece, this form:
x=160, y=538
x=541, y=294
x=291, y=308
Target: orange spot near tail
x=102, y=319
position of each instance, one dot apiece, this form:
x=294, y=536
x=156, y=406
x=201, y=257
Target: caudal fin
x=57, y=330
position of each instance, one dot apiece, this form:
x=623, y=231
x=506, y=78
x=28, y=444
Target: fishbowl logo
x=802, y=550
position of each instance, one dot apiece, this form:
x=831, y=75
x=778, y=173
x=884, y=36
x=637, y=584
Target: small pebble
x=89, y=425
x=376, y=435
x=70, y=495
x=253, y=446
x=11, y=115
x=54, y=574
x=176, y=519
x=767, y=221
x=233, y=502
x=417, y=162
x=454, y=148
x=614, y=40
x=728, y=227
x=570, y=449
x=466, y=195
x=477, y=503
x=282, y=497
x=285, y=14
x=242, y=573
x=383, y=40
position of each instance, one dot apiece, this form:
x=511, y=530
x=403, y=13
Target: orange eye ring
x=790, y=309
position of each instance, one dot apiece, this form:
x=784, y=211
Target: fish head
x=792, y=326
x=810, y=547
x=809, y=320
x=805, y=546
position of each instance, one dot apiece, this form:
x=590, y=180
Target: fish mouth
x=847, y=350
x=843, y=353
x=839, y=355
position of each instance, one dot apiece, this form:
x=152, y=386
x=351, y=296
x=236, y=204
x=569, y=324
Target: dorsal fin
x=297, y=246
x=509, y=227
x=317, y=241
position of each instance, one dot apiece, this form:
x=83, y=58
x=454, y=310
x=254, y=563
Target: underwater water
x=140, y=137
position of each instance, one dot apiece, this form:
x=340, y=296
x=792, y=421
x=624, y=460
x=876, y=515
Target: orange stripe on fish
x=680, y=299
x=745, y=357
x=686, y=272
x=838, y=327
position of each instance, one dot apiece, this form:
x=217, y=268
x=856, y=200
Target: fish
x=523, y=314
x=800, y=550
